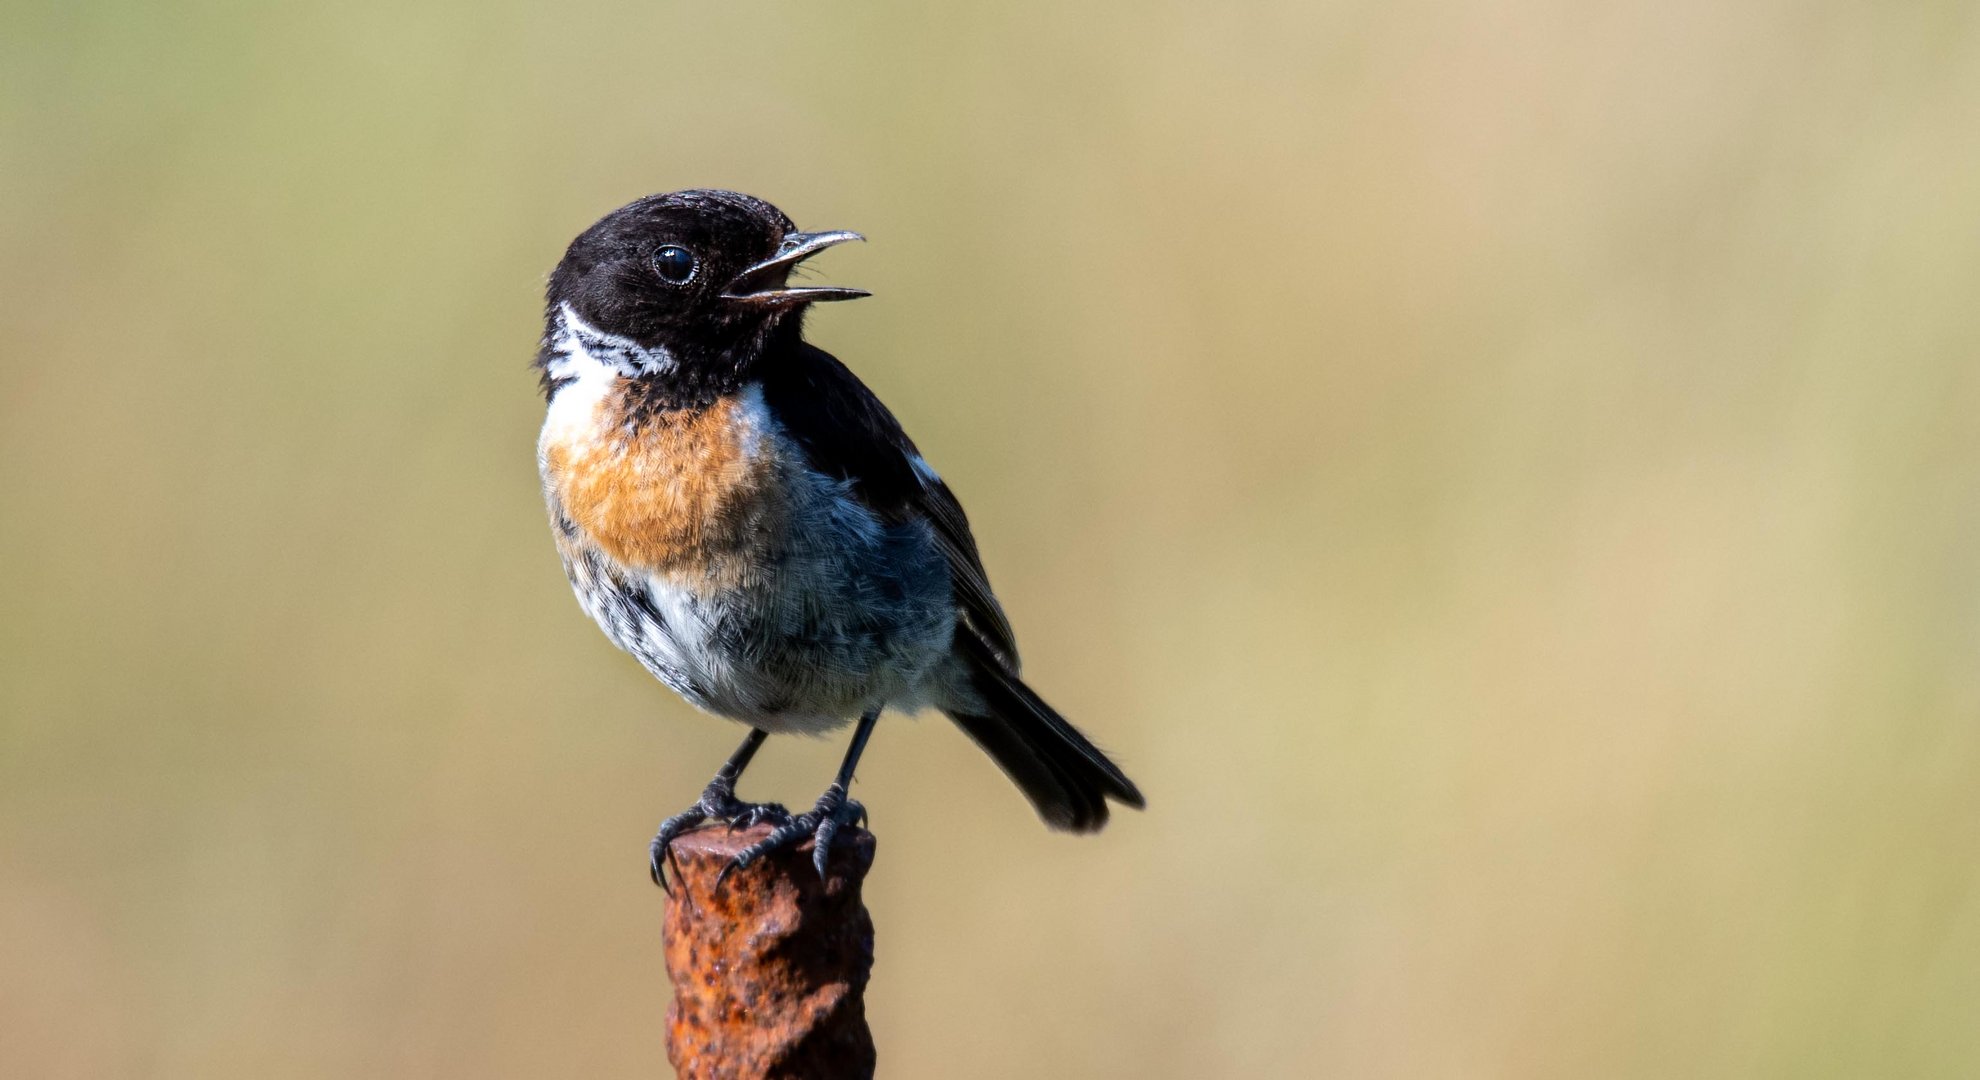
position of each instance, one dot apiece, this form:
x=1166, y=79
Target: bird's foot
x=821, y=823
x=718, y=802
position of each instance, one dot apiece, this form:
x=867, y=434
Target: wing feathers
x=848, y=433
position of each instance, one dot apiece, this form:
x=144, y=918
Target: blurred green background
x=1504, y=478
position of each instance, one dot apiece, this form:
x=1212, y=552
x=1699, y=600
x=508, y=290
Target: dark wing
x=847, y=433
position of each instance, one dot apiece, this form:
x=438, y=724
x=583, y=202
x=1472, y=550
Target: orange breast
x=676, y=493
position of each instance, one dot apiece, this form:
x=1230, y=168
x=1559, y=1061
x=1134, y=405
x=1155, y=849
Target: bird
x=740, y=513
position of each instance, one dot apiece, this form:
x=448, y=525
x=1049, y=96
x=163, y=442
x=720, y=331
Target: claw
x=821, y=823
x=658, y=851
x=821, y=848
x=718, y=802
x=757, y=813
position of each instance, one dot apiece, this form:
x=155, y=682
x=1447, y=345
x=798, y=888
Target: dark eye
x=674, y=264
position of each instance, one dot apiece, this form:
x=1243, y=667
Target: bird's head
x=693, y=281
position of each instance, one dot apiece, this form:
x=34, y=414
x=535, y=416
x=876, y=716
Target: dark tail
x=1067, y=778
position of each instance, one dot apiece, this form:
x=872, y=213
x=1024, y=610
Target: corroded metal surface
x=769, y=969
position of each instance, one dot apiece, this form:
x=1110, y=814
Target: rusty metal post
x=770, y=969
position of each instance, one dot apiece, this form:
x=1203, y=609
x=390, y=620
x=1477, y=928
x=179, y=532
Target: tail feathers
x=1066, y=777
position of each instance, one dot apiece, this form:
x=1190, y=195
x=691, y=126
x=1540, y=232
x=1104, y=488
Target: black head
x=697, y=276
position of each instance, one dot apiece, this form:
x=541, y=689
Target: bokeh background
x=1505, y=478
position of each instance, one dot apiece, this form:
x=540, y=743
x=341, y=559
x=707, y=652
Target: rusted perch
x=770, y=969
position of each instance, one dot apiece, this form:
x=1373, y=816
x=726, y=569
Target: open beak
x=764, y=283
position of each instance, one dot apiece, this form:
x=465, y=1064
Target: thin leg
x=821, y=822
x=732, y=769
x=718, y=802
x=855, y=748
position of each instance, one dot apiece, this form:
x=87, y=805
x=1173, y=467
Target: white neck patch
x=577, y=346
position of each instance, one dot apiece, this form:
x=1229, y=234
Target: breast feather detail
x=671, y=493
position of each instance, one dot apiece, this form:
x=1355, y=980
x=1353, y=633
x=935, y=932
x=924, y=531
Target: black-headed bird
x=740, y=513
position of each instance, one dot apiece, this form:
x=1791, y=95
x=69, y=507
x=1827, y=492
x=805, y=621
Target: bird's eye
x=674, y=264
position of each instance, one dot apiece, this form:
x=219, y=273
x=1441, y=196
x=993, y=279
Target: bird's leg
x=821, y=822
x=718, y=802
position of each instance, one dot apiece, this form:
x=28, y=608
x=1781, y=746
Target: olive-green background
x=1504, y=478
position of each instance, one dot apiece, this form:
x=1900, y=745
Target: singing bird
x=741, y=514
